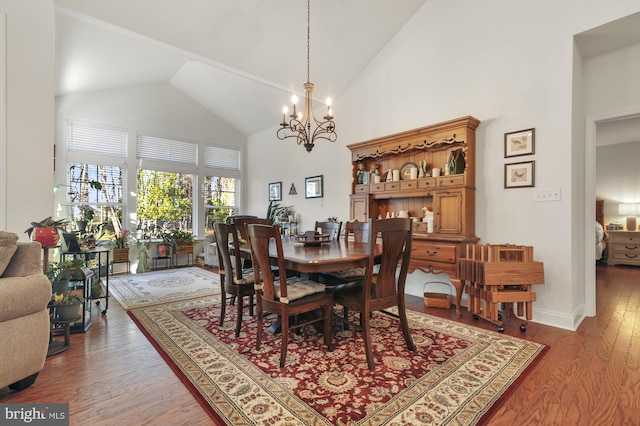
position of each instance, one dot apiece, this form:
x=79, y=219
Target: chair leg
x=285, y=339
x=259, y=331
x=239, y=313
x=366, y=332
x=223, y=307
x=404, y=323
x=328, y=327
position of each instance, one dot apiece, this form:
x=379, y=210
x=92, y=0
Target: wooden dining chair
x=385, y=288
x=289, y=297
x=353, y=232
x=330, y=228
x=234, y=280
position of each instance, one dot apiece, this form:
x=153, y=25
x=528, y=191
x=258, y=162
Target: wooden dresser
x=624, y=248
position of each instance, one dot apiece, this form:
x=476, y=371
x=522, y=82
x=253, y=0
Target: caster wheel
x=523, y=328
x=104, y=312
x=98, y=303
x=499, y=317
x=501, y=329
x=475, y=317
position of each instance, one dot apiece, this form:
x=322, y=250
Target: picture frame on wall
x=275, y=191
x=313, y=187
x=519, y=175
x=519, y=143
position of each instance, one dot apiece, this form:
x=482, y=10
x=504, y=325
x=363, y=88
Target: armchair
x=24, y=318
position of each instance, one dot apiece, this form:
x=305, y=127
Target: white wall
x=29, y=65
x=496, y=61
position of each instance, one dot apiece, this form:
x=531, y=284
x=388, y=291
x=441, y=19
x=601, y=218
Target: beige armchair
x=24, y=318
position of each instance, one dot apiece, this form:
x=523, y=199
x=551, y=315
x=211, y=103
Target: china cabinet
x=448, y=146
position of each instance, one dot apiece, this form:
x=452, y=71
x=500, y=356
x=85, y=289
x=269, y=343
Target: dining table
x=316, y=258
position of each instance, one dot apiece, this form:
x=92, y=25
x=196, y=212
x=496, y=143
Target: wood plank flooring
x=112, y=375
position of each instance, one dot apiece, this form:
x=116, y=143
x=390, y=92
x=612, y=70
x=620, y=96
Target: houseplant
x=68, y=305
x=46, y=231
x=64, y=299
x=121, y=246
x=182, y=241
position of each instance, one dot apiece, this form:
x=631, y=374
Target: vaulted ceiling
x=241, y=60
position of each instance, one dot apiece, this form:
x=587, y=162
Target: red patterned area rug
x=455, y=377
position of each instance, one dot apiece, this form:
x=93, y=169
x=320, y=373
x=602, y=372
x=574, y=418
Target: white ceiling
x=241, y=60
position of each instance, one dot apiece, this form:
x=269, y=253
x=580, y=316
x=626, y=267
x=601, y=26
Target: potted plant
x=164, y=248
x=68, y=305
x=46, y=231
x=182, y=241
x=121, y=246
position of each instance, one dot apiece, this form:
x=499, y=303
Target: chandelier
x=301, y=122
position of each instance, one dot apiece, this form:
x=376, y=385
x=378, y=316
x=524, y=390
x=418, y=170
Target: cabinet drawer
x=627, y=238
x=427, y=183
x=434, y=252
x=362, y=189
x=453, y=180
x=409, y=184
x=391, y=186
x=377, y=187
x=622, y=254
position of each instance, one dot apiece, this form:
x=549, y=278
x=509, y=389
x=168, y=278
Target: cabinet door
x=360, y=208
x=449, y=214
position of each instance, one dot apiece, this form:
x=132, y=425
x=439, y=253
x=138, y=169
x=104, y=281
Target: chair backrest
x=356, y=231
x=241, y=224
x=260, y=237
x=225, y=235
x=395, y=235
x=330, y=228
x=231, y=219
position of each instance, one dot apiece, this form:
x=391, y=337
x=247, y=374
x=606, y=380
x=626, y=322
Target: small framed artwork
x=519, y=143
x=313, y=187
x=275, y=191
x=519, y=175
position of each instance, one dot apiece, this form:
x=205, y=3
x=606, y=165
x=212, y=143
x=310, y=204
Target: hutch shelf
x=446, y=146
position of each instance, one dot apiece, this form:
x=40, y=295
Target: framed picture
x=313, y=187
x=519, y=143
x=275, y=191
x=519, y=175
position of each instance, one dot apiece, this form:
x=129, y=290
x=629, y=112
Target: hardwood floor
x=112, y=375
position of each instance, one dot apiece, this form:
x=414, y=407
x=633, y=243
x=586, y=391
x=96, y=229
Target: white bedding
x=600, y=243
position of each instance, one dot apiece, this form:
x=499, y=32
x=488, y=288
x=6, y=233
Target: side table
x=57, y=326
x=168, y=262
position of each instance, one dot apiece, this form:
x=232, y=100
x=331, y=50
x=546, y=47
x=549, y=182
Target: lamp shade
x=631, y=211
x=628, y=209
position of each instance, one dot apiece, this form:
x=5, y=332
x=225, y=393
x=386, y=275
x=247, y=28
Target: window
x=164, y=201
x=219, y=200
x=95, y=187
x=95, y=196
x=168, y=183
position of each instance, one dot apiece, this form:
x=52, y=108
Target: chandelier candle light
x=300, y=123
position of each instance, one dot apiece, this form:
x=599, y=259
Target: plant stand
x=186, y=250
x=60, y=327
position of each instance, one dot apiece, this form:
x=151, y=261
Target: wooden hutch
x=451, y=198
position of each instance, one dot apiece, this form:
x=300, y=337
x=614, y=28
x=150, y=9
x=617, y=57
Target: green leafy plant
x=180, y=238
x=48, y=222
x=121, y=239
x=56, y=270
x=274, y=211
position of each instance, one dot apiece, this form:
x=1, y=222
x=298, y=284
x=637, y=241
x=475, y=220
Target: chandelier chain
x=308, y=39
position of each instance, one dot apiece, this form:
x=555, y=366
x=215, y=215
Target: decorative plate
x=405, y=170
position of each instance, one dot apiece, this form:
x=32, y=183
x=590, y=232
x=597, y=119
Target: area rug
x=457, y=375
x=169, y=285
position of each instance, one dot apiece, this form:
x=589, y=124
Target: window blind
x=153, y=148
x=223, y=158
x=99, y=140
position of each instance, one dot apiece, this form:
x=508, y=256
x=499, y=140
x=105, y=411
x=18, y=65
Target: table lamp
x=631, y=211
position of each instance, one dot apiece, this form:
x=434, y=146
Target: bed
x=600, y=241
